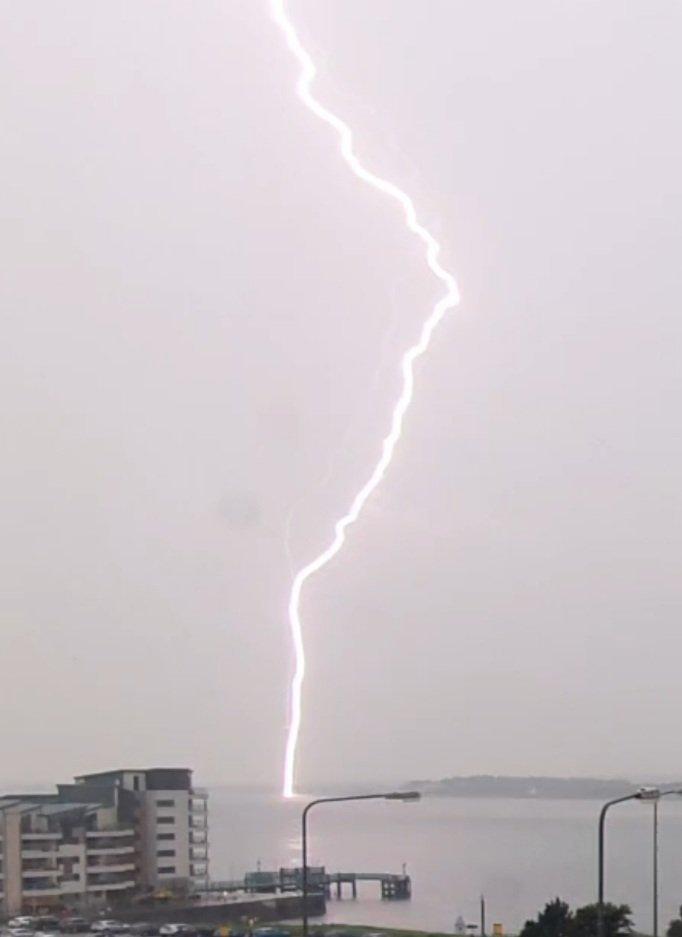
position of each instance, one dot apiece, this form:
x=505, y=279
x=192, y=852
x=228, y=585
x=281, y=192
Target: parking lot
x=45, y=926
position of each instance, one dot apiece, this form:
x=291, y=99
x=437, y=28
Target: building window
x=165, y=853
x=165, y=819
x=136, y=782
x=166, y=870
x=165, y=803
x=165, y=835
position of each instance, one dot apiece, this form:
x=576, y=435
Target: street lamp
x=644, y=793
x=390, y=795
x=655, y=876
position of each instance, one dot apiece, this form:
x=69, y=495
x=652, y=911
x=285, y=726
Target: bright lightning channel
x=450, y=299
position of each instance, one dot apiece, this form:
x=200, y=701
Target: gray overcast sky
x=202, y=317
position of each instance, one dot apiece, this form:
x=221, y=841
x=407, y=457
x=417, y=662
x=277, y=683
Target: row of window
x=200, y=804
x=200, y=825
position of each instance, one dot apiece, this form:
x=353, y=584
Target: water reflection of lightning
x=450, y=299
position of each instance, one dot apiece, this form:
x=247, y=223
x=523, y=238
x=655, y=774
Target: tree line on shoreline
x=558, y=920
x=484, y=785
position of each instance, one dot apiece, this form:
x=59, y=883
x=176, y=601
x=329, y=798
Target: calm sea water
x=517, y=853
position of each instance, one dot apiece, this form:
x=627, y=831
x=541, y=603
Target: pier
x=392, y=886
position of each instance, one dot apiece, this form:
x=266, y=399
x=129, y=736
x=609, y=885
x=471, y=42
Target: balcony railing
x=41, y=888
x=114, y=884
x=110, y=833
x=112, y=874
x=34, y=895
x=98, y=868
x=105, y=841
x=116, y=850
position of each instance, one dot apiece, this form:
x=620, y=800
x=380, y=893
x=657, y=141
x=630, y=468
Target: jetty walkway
x=393, y=887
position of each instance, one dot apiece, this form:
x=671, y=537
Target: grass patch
x=321, y=930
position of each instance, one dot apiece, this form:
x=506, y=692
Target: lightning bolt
x=450, y=299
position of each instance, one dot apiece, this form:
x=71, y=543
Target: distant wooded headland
x=484, y=785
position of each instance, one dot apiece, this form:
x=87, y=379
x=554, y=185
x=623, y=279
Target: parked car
x=21, y=922
x=175, y=930
x=108, y=926
x=144, y=930
x=74, y=925
x=271, y=932
x=21, y=932
x=46, y=922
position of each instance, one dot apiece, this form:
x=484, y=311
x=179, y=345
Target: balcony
x=46, y=855
x=38, y=860
x=39, y=873
x=197, y=836
x=39, y=889
x=112, y=851
x=29, y=834
x=197, y=821
x=111, y=867
x=115, y=884
x=198, y=852
x=106, y=841
x=107, y=834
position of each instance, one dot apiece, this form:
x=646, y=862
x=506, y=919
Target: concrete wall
x=157, y=807
x=12, y=862
x=76, y=857
x=276, y=908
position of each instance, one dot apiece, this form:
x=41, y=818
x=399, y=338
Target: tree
x=617, y=920
x=675, y=928
x=556, y=920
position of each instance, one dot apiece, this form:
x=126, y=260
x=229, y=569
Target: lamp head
x=648, y=793
x=403, y=795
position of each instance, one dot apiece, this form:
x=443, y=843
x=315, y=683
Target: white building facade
x=102, y=840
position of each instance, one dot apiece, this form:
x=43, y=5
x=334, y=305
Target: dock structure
x=393, y=887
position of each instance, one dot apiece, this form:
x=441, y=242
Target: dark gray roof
x=53, y=810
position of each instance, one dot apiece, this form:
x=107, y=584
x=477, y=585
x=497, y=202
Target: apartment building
x=102, y=840
x=172, y=821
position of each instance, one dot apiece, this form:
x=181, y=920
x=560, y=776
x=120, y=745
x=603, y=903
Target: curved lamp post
x=644, y=793
x=391, y=795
